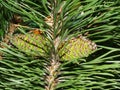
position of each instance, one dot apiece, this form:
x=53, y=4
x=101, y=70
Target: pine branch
x=96, y=71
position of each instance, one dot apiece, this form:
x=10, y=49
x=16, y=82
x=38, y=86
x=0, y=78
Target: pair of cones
x=36, y=45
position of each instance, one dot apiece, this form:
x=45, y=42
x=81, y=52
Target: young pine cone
x=31, y=44
x=77, y=47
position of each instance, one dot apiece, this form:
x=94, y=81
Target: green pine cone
x=77, y=48
x=31, y=44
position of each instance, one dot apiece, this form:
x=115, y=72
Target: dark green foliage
x=21, y=73
x=99, y=19
x=3, y=22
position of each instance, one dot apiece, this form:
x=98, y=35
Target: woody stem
x=53, y=71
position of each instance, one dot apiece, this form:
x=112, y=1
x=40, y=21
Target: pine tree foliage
x=62, y=22
x=5, y=16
